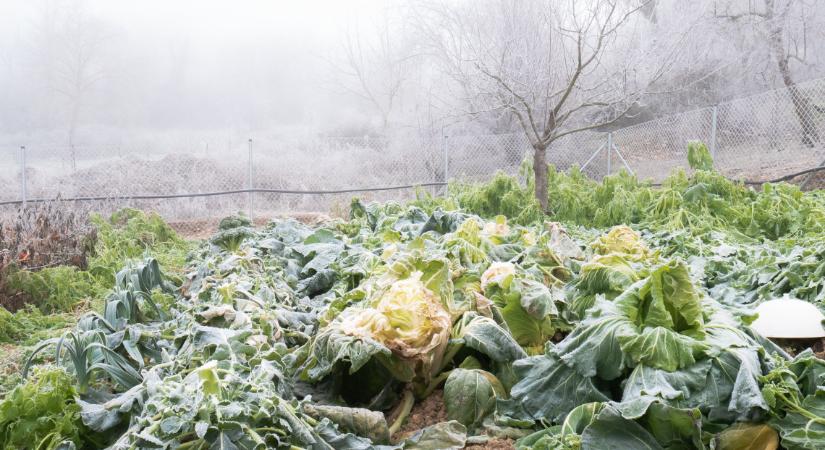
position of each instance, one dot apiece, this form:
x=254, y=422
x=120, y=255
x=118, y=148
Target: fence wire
x=757, y=138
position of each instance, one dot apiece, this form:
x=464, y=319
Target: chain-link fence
x=756, y=138
x=195, y=188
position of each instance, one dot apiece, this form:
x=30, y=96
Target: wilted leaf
x=441, y=436
x=360, y=421
x=747, y=436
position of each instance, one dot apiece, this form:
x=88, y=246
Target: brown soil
x=432, y=411
x=796, y=346
x=428, y=412
x=195, y=229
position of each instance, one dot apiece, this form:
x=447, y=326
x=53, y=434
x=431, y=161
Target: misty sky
x=279, y=66
x=219, y=61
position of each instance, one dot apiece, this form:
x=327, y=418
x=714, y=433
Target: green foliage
x=470, y=395
x=667, y=312
x=702, y=202
x=527, y=305
x=503, y=195
x=235, y=221
x=793, y=390
x=41, y=413
x=699, y=157
x=634, y=336
x=54, y=289
x=428, y=202
x=658, y=338
x=106, y=343
x=230, y=239
x=56, y=295
x=130, y=234
x=28, y=326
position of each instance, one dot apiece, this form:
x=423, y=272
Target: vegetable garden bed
x=441, y=324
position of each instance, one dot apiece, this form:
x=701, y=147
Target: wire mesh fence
x=757, y=138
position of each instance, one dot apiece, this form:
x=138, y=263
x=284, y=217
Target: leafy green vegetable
x=548, y=389
x=527, y=305
x=560, y=336
x=793, y=391
x=484, y=335
x=470, y=395
x=236, y=221
x=667, y=313
x=230, y=239
x=42, y=413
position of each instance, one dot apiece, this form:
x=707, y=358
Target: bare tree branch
x=557, y=66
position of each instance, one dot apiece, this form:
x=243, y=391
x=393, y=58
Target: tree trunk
x=72, y=131
x=810, y=135
x=776, y=43
x=540, y=172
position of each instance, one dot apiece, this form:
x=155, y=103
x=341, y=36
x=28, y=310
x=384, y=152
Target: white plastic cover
x=789, y=318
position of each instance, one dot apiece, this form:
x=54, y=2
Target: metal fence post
x=713, y=117
x=249, y=182
x=609, y=150
x=23, y=187
x=445, y=150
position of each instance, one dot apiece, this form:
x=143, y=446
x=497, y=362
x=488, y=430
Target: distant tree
x=375, y=62
x=69, y=47
x=784, y=29
x=558, y=67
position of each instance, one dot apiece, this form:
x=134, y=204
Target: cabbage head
x=623, y=240
x=407, y=318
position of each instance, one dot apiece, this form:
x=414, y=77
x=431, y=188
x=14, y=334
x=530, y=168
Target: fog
x=163, y=65
x=74, y=71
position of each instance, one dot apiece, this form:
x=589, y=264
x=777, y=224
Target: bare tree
x=375, y=62
x=558, y=67
x=786, y=38
x=69, y=47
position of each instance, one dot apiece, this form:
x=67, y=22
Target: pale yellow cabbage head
x=497, y=273
x=623, y=240
x=407, y=318
x=497, y=228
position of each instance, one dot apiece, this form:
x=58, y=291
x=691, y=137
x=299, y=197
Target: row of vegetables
x=549, y=336
x=324, y=337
